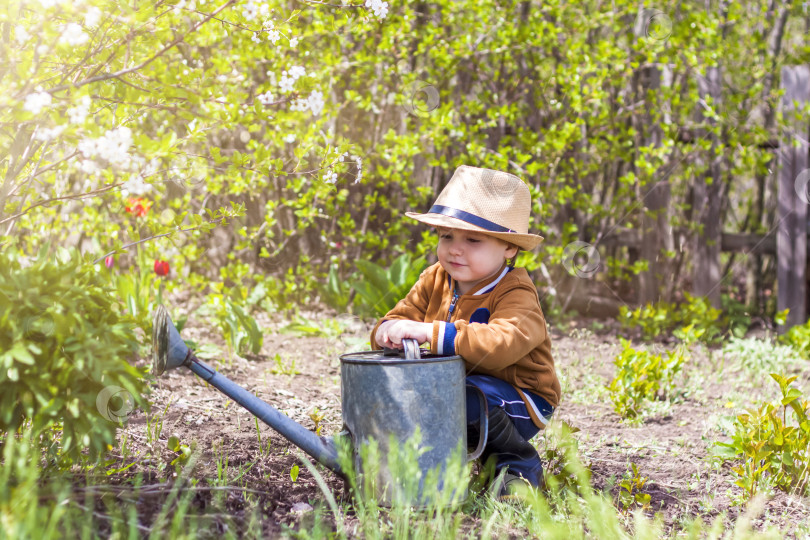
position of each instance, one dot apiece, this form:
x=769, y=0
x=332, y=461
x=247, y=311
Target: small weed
x=558, y=449
x=631, y=490
x=317, y=416
x=154, y=425
x=183, y=452
x=282, y=369
x=329, y=328
x=642, y=375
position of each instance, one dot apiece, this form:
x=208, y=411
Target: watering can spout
x=170, y=352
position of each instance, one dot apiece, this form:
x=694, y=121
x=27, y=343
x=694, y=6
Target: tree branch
x=148, y=61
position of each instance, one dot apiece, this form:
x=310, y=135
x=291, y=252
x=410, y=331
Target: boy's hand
x=391, y=333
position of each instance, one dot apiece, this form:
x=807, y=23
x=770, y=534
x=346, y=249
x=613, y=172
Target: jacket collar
x=485, y=286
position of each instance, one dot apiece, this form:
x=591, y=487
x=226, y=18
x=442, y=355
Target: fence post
x=656, y=234
x=706, y=199
x=792, y=194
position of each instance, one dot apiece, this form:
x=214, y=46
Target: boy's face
x=470, y=257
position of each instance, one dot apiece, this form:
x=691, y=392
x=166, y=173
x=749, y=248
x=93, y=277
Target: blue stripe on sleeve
x=449, y=342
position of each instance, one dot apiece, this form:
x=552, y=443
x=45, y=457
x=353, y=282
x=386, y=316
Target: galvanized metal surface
x=319, y=448
x=383, y=396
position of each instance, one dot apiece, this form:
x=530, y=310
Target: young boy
x=473, y=304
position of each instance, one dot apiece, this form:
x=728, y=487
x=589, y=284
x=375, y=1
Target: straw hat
x=483, y=200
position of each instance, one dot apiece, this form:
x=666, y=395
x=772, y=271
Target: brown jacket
x=498, y=328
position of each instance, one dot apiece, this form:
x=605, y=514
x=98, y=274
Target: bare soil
x=671, y=447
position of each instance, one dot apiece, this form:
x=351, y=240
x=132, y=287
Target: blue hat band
x=469, y=218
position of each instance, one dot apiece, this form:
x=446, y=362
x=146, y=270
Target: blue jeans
x=500, y=393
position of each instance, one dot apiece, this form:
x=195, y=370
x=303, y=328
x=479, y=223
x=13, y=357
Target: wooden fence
x=787, y=241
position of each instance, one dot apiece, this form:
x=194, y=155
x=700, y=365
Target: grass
x=34, y=505
x=214, y=496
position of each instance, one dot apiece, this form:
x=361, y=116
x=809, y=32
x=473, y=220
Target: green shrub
x=798, y=337
x=380, y=289
x=694, y=317
x=65, y=350
x=640, y=376
x=770, y=446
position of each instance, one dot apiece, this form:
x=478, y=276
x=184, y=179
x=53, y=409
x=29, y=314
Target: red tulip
x=162, y=268
x=138, y=206
x=109, y=261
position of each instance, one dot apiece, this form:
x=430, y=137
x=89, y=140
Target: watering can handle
x=410, y=348
x=483, y=424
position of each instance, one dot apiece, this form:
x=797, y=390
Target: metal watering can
x=383, y=394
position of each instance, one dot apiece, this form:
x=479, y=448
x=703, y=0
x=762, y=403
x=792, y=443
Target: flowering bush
x=329, y=120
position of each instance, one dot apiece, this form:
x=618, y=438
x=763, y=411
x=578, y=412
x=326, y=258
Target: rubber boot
x=511, y=451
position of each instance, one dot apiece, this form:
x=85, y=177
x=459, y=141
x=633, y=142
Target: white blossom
x=330, y=177
x=294, y=42
x=48, y=133
x=88, y=166
x=290, y=138
x=92, y=16
x=286, y=83
x=273, y=36
x=135, y=186
x=299, y=105
x=112, y=147
x=151, y=167
x=312, y=103
x=37, y=101
x=316, y=102
x=78, y=114
x=73, y=35
x=379, y=8
x=359, y=162
x=255, y=38
x=21, y=35
x=288, y=78
x=266, y=98
x=252, y=9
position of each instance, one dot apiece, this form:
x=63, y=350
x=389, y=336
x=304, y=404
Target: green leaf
x=173, y=444
x=294, y=473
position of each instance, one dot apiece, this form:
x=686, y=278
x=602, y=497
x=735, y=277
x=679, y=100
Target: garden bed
x=670, y=444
